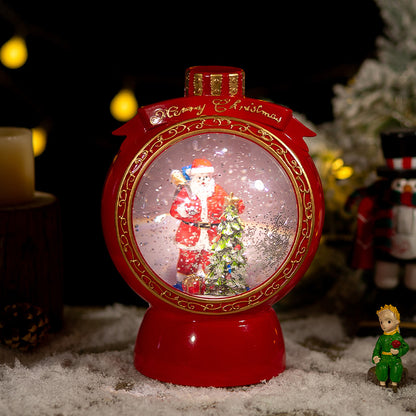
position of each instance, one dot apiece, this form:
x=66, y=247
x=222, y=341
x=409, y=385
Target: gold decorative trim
x=187, y=76
x=233, y=84
x=216, y=84
x=198, y=84
x=243, y=81
x=224, y=305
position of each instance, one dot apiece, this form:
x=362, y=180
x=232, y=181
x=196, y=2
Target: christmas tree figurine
x=227, y=268
x=389, y=348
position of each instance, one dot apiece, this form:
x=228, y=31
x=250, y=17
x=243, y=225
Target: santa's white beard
x=202, y=191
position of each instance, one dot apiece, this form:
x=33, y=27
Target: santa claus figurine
x=199, y=205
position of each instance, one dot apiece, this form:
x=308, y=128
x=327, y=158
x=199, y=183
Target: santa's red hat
x=200, y=166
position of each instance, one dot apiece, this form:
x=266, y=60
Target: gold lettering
x=201, y=109
x=220, y=105
x=175, y=111
x=224, y=104
x=233, y=106
x=172, y=111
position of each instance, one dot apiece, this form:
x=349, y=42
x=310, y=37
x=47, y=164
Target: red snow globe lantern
x=212, y=211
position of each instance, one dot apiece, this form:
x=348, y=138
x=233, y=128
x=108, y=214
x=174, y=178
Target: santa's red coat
x=189, y=232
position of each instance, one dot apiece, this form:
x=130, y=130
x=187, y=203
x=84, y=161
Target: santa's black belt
x=201, y=224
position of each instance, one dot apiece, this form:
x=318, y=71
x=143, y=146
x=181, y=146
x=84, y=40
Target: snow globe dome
x=212, y=211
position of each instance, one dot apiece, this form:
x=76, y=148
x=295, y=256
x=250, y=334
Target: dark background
x=82, y=53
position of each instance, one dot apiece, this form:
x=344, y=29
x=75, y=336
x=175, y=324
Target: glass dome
x=261, y=187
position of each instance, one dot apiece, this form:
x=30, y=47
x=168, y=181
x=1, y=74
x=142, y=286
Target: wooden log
x=31, y=267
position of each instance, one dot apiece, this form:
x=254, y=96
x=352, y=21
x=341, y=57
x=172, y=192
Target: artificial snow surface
x=87, y=369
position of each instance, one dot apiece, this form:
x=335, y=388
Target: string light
x=340, y=171
x=38, y=140
x=124, y=105
x=13, y=54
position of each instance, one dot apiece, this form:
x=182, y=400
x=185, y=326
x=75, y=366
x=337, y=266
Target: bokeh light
x=13, y=54
x=124, y=105
x=38, y=140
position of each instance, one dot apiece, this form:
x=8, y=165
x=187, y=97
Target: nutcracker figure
x=389, y=348
x=199, y=205
x=386, y=221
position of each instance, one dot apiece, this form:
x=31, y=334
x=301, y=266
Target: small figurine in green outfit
x=389, y=348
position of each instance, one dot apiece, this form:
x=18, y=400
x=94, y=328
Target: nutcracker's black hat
x=399, y=150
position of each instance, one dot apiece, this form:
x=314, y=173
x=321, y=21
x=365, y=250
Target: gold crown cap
x=216, y=81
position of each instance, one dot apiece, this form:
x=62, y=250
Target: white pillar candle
x=17, y=166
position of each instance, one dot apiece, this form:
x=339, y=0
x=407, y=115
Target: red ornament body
x=210, y=321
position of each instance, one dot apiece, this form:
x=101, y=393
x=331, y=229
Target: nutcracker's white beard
x=202, y=191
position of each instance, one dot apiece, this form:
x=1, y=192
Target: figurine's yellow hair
x=390, y=308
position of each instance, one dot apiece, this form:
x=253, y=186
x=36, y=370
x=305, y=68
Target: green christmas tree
x=227, y=270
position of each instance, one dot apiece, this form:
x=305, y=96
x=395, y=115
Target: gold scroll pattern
x=271, y=286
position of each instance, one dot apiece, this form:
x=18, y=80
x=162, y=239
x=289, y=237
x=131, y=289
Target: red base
x=218, y=351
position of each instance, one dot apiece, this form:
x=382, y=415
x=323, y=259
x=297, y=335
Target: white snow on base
x=87, y=369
